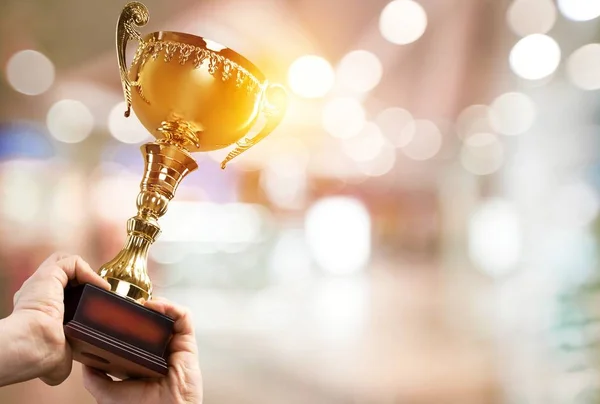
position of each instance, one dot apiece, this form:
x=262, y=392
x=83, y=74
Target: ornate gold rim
x=152, y=46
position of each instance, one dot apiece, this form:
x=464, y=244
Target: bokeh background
x=422, y=228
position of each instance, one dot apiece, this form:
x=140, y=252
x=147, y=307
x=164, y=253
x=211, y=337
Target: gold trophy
x=192, y=95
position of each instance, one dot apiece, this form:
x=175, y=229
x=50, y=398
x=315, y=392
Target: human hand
x=183, y=383
x=42, y=350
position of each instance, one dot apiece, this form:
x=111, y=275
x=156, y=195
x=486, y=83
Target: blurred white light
x=126, y=130
x=579, y=10
x=168, y=254
x=21, y=196
x=512, y=113
x=359, y=71
x=68, y=206
x=526, y=17
x=234, y=223
x=402, y=21
x=341, y=308
x=425, y=140
x=113, y=196
x=290, y=261
x=367, y=145
x=583, y=67
x=392, y=121
x=574, y=205
x=495, y=237
x=30, y=72
x=381, y=164
x=343, y=117
x=338, y=233
x=473, y=119
x=311, y=76
x=534, y=57
x=482, y=154
x=69, y=121
x=284, y=181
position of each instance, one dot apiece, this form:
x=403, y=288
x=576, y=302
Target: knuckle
x=57, y=256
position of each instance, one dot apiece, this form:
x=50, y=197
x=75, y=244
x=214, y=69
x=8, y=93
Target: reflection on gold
x=191, y=96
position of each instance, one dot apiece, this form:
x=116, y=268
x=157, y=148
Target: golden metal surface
x=165, y=166
x=192, y=95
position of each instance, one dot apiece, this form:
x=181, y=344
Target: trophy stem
x=166, y=164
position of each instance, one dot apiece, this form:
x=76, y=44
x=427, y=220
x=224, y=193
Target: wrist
x=18, y=352
x=27, y=349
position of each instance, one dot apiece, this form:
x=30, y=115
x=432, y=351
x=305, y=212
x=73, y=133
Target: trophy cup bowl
x=192, y=95
x=208, y=94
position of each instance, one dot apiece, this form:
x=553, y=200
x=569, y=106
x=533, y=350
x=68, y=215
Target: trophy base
x=116, y=335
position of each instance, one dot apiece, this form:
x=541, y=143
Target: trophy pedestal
x=116, y=335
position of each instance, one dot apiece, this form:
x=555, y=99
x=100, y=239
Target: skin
x=34, y=344
x=183, y=383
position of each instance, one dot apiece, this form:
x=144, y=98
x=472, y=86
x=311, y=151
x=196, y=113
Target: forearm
x=21, y=358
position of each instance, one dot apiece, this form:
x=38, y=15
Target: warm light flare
x=311, y=76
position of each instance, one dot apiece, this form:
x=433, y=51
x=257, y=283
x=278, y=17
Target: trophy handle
x=134, y=14
x=274, y=113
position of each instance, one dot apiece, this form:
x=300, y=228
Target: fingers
x=55, y=257
x=95, y=381
x=181, y=316
x=105, y=389
x=73, y=267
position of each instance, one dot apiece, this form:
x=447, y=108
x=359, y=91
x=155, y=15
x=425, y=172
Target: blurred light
x=482, y=154
x=68, y=205
x=21, y=195
x=425, y=140
x=402, y=22
x=359, y=71
x=512, y=113
x=495, y=237
x=311, y=76
x=69, y=121
x=392, y=121
x=367, y=145
x=473, y=119
x=30, y=72
x=535, y=57
x=380, y=165
x=583, y=67
x=579, y=10
x=166, y=253
x=212, y=223
x=284, y=181
x=338, y=232
x=526, y=17
x=574, y=205
x=24, y=140
x=113, y=195
x=126, y=130
x=343, y=117
x=290, y=261
x=341, y=308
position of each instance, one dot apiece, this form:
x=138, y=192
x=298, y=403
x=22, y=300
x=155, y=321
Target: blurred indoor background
x=421, y=229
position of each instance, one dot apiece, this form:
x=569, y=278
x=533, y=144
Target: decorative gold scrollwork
x=134, y=14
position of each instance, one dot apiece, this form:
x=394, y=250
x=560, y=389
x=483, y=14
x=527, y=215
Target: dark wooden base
x=114, y=334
